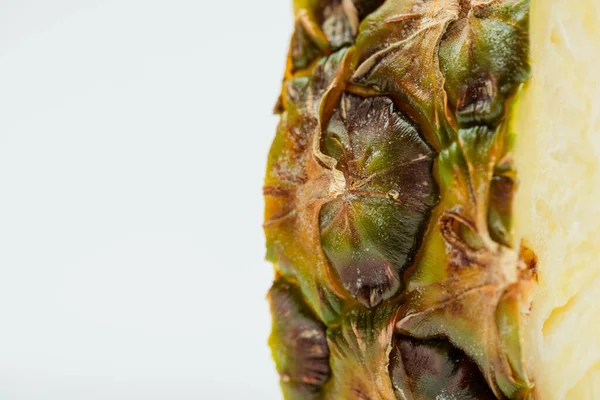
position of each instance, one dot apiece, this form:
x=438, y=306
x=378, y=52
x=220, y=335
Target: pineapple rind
x=469, y=282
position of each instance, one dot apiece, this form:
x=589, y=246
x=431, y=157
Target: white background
x=133, y=141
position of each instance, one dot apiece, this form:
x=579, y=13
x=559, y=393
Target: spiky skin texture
x=388, y=202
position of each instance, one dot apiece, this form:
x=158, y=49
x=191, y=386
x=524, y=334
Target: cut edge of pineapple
x=557, y=208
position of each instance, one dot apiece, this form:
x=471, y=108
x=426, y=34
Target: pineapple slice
x=557, y=208
x=406, y=259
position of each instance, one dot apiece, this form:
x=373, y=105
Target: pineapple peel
x=388, y=196
x=371, y=230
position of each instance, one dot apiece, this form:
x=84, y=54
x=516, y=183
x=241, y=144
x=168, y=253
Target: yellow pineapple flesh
x=557, y=208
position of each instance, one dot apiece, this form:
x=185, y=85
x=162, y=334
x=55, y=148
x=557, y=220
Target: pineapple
x=408, y=263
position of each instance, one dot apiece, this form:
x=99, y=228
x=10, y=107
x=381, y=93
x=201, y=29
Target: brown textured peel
x=389, y=195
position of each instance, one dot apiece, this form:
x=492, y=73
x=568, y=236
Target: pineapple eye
x=434, y=369
x=298, y=341
x=479, y=73
x=323, y=27
x=371, y=234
